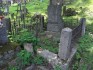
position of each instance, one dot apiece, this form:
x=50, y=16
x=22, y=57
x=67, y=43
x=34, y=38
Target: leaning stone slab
x=51, y=57
x=54, y=60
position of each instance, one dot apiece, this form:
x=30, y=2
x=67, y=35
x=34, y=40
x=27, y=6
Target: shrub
x=26, y=37
x=38, y=60
x=24, y=57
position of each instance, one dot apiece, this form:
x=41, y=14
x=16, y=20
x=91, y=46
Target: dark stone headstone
x=3, y=35
x=7, y=23
x=54, y=18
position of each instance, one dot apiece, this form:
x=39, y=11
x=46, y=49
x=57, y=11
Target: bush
x=84, y=53
x=38, y=60
x=26, y=37
x=24, y=57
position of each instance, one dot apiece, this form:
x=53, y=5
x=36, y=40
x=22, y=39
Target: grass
x=33, y=6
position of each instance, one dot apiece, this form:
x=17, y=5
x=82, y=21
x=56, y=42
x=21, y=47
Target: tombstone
x=83, y=22
x=54, y=17
x=28, y=47
x=7, y=23
x=3, y=35
x=65, y=43
x=6, y=11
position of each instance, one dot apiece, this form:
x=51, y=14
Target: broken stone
x=28, y=47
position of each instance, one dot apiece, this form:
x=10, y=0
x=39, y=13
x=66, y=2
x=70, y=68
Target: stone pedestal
x=65, y=44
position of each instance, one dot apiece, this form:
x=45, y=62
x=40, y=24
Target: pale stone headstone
x=65, y=43
x=28, y=47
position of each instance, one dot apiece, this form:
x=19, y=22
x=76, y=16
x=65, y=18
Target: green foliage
x=57, y=67
x=38, y=60
x=50, y=45
x=33, y=6
x=12, y=68
x=89, y=27
x=25, y=37
x=85, y=53
x=24, y=57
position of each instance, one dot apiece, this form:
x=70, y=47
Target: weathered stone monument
x=65, y=43
x=7, y=23
x=83, y=22
x=54, y=16
x=28, y=47
x=3, y=34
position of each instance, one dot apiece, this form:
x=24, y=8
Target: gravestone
x=7, y=23
x=6, y=11
x=28, y=47
x=3, y=35
x=54, y=16
x=83, y=22
x=65, y=43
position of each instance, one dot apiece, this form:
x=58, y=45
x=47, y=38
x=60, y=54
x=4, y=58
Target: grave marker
x=65, y=43
x=54, y=16
x=7, y=23
x=3, y=35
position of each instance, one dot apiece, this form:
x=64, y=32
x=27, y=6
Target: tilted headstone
x=65, y=43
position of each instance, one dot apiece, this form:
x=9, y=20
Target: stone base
x=66, y=65
x=54, y=60
x=54, y=27
x=55, y=35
